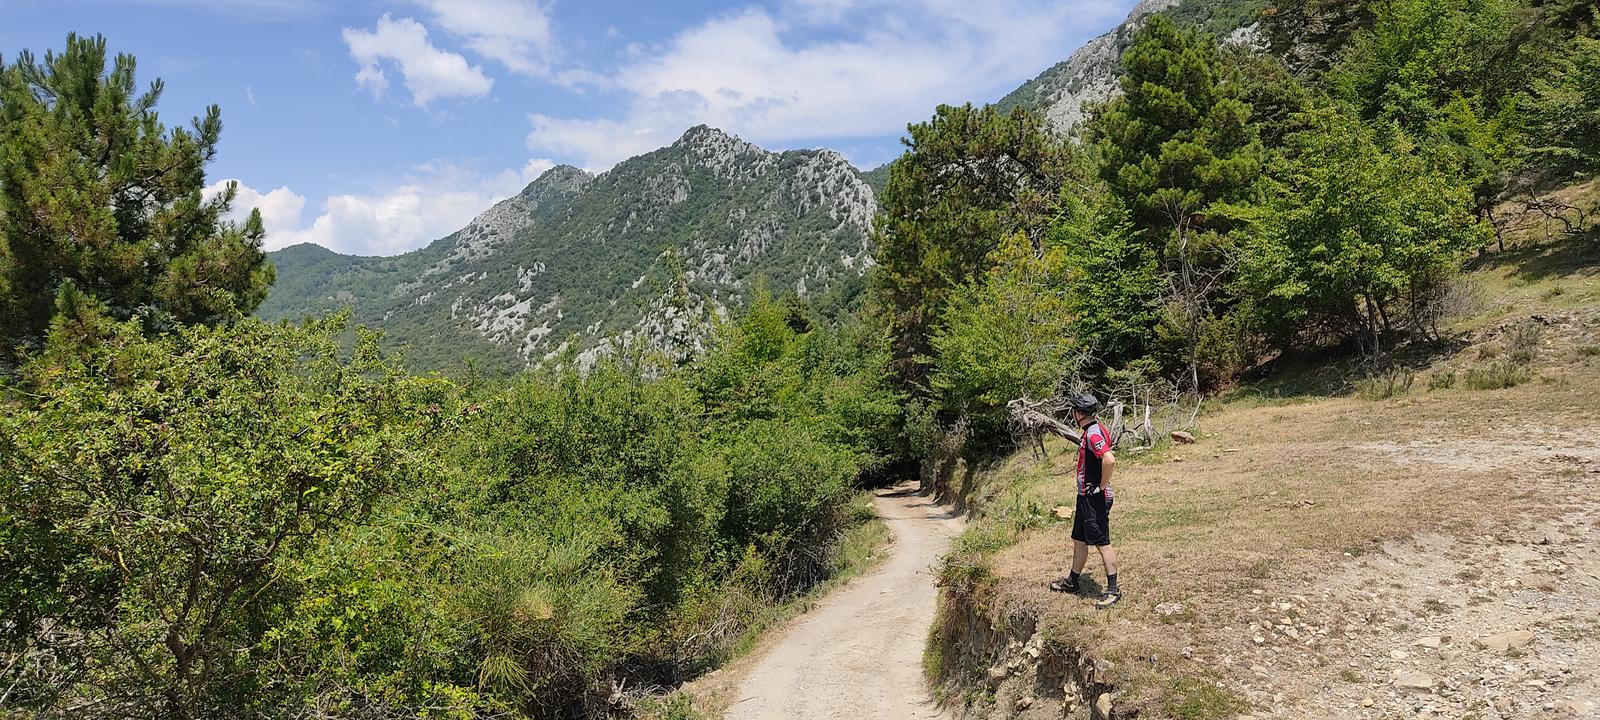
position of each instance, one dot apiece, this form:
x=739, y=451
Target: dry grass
x=1309, y=482
x=1312, y=479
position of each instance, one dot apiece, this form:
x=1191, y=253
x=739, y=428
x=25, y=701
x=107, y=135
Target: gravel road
x=858, y=655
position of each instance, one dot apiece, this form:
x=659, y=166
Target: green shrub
x=153, y=492
x=1496, y=374
x=1442, y=380
x=1386, y=384
x=1522, y=341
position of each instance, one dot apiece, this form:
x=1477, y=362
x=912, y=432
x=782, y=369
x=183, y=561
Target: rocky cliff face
x=1090, y=74
x=587, y=264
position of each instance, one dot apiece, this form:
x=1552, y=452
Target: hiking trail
x=858, y=654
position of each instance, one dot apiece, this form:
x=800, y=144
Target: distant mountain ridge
x=577, y=263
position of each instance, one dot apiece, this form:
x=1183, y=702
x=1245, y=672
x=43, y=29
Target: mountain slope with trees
x=647, y=254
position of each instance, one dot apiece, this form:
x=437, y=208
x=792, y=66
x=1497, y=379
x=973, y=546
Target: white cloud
x=514, y=33
x=825, y=69
x=601, y=143
x=432, y=201
x=280, y=208
x=429, y=72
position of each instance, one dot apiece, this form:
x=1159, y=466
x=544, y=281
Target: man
x=1091, y=521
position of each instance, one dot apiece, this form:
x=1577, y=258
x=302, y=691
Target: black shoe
x=1066, y=585
x=1108, y=598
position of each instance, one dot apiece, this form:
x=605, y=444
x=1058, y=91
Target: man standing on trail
x=1091, y=521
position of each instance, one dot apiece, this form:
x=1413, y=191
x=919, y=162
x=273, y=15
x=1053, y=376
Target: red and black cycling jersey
x=1094, y=444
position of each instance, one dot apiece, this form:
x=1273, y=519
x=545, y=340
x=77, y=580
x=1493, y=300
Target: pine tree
x=95, y=192
x=970, y=177
x=1177, y=148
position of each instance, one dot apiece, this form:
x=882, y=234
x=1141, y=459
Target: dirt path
x=858, y=655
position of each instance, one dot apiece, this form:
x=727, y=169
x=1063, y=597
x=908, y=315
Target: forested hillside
x=647, y=254
x=205, y=514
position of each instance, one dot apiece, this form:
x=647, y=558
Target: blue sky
x=376, y=126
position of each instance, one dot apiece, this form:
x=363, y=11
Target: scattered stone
x=1397, y=654
x=1183, y=437
x=1168, y=609
x=996, y=676
x=1102, y=671
x=1413, y=680
x=1102, y=705
x=1024, y=702
x=1505, y=641
x=1063, y=512
x=1431, y=641
x=1581, y=708
x=1366, y=702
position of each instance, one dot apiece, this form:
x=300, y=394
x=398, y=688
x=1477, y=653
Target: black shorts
x=1091, y=524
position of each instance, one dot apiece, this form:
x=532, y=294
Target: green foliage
x=1194, y=698
x=1006, y=336
x=1563, y=112
x=1364, y=228
x=970, y=177
x=1496, y=374
x=153, y=490
x=1178, y=141
x=97, y=193
x=1522, y=341
x=1178, y=151
x=1114, y=285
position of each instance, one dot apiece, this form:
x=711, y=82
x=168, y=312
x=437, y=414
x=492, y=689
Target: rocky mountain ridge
x=585, y=264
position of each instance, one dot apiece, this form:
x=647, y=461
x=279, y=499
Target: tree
x=151, y=490
x=95, y=192
x=1177, y=149
x=969, y=177
x=1563, y=113
x=1115, y=286
x=1007, y=335
x=1364, y=228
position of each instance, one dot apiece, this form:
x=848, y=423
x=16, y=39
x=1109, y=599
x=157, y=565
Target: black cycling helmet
x=1085, y=403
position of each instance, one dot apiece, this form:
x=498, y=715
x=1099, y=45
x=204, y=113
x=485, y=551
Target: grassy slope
x=1301, y=494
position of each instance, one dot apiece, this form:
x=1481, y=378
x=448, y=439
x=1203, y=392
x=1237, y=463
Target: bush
x=1522, y=341
x=1384, y=385
x=1442, y=380
x=1497, y=374
x=153, y=492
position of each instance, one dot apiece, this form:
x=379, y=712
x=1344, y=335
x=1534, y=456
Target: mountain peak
x=703, y=137
x=561, y=178
x=725, y=155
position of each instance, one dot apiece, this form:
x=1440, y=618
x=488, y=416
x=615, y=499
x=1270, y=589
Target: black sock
x=1072, y=577
x=1111, y=583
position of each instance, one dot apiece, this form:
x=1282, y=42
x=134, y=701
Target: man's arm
x=1108, y=462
